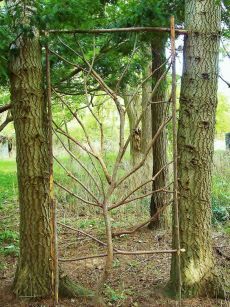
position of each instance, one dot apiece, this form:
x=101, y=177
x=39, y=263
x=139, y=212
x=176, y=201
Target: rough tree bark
x=198, y=102
x=33, y=276
x=159, y=152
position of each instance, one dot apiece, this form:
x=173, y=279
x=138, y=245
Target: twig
x=141, y=115
x=92, y=152
x=116, y=30
x=6, y=122
x=78, y=161
x=141, y=163
x=143, y=82
x=226, y=82
x=142, y=224
x=5, y=107
x=146, y=195
x=121, y=252
x=221, y=253
x=140, y=186
x=127, y=66
x=76, y=196
x=78, y=181
x=84, y=233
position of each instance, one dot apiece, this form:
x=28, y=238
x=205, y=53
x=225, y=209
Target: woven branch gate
x=104, y=206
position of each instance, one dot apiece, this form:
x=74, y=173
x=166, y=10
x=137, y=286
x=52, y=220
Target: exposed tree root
x=215, y=285
x=69, y=289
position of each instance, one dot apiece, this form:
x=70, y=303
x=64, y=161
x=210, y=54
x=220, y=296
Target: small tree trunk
x=159, y=150
x=198, y=102
x=133, y=111
x=147, y=119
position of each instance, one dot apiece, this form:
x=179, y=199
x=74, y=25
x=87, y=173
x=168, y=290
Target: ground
x=136, y=281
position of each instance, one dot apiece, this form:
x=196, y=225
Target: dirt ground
x=136, y=280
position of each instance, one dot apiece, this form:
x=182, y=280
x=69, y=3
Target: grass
x=8, y=179
x=221, y=189
x=122, y=216
x=80, y=216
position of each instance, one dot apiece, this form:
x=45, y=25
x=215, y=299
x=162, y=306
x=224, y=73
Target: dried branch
x=143, y=82
x=84, y=233
x=139, y=187
x=76, y=196
x=60, y=130
x=92, y=152
x=78, y=161
x=142, y=113
x=77, y=180
x=94, y=115
x=117, y=30
x=78, y=120
x=122, y=232
x=127, y=66
x=140, y=197
x=97, y=77
x=226, y=82
x=6, y=122
x=141, y=163
x=122, y=252
x=5, y=107
x=100, y=127
x=65, y=60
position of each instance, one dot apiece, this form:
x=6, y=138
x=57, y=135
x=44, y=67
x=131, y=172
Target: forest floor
x=136, y=281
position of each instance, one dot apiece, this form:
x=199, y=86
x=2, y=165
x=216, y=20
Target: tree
x=158, y=111
x=33, y=275
x=198, y=101
x=154, y=13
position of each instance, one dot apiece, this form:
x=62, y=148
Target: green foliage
x=8, y=187
x=223, y=115
x=221, y=188
x=114, y=295
x=9, y=242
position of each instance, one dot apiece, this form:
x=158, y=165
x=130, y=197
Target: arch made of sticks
x=53, y=222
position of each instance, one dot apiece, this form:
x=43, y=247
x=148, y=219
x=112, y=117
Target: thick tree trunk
x=33, y=276
x=159, y=151
x=198, y=102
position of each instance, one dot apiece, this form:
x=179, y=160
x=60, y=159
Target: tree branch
x=76, y=196
x=5, y=107
x=6, y=122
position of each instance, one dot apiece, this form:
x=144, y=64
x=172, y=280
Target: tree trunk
x=159, y=150
x=133, y=111
x=198, y=102
x=33, y=276
x=147, y=119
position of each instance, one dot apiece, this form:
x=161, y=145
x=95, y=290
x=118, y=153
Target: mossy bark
x=196, y=129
